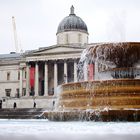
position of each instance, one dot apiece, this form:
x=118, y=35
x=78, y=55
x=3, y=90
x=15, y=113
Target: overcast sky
x=37, y=21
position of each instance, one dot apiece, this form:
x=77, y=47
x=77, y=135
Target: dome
x=72, y=23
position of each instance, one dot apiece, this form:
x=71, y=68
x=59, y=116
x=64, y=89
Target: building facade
x=34, y=76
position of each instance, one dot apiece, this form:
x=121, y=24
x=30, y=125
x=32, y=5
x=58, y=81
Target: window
x=17, y=94
x=79, y=38
x=87, y=39
x=25, y=75
x=24, y=92
x=8, y=92
x=8, y=75
x=67, y=39
x=18, y=75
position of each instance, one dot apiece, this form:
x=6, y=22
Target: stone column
x=21, y=82
x=36, y=79
x=27, y=79
x=65, y=72
x=85, y=72
x=46, y=80
x=55, y=77
x=75, y=71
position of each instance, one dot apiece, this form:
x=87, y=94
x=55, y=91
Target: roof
x=11, y=55
x=56, y=49
x=72, y=23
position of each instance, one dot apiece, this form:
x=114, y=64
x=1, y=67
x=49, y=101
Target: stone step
x=25, y=113
x=21, y=109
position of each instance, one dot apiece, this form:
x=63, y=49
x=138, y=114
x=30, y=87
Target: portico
x=43, y=74
x=47, y=75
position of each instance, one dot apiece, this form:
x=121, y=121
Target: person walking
x=34, y=104
x=15, y=105
x=0, y=104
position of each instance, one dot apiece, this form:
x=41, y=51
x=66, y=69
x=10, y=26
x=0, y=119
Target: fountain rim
x=119, y=42
x=101, y=81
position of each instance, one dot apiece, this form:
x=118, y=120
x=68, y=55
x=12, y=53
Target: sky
x=37, y=21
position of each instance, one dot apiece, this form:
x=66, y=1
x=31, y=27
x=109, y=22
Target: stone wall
x=47, y=103
x=11, y=83
x=71, y=37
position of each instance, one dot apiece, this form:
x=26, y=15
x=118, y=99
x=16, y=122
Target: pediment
x=57, y=50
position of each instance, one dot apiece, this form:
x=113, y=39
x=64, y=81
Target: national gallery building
x=35, y=75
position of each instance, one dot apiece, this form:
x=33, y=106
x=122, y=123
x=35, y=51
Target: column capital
x=55, y=61
x=46, y=62
x=21, y=68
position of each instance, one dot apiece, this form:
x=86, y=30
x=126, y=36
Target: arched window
x=8, y=75
x=67, y=39
x=80, y=38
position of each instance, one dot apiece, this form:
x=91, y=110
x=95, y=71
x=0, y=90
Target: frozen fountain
x=114, y=98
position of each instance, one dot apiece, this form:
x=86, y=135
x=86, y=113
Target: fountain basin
x=108, y=100
x=121, y=54
x=93, y=115
x=113, y=94
x=117, y=99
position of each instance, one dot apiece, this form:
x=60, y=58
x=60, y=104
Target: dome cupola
x=72, y=23
x=72, y=30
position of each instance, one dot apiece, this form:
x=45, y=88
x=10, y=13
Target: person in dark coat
x=0, y=104
x=34, y=104
x=15, y=105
